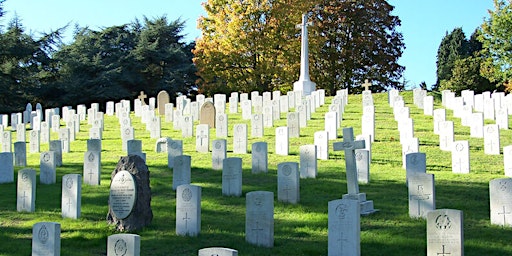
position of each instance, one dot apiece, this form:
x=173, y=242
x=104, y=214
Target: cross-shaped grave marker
x=142, y=97
x=366, y=84
x=349, y=146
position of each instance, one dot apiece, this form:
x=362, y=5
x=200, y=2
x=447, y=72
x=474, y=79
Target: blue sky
x=424, y=22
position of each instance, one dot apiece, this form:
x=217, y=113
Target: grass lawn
x=300, y=229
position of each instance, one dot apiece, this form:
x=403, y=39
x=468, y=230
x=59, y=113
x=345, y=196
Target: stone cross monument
x=304, y=84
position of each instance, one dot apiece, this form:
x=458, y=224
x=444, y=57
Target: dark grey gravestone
x=130, y=182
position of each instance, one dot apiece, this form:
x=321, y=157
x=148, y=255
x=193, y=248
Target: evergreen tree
x=497, y=45
x=452, y=47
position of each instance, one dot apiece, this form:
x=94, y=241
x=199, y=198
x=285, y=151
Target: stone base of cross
x=306, y=86
x=349, y=146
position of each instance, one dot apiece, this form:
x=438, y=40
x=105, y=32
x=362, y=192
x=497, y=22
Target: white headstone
x=259, y=155
x=26, y=191
x=181, y=173
x=123, y=244
x=232, y=176
x=240, y=139
x=460, y=157
x=422, y=194
x=92, y=168
x=188, y=210
x=491, y=139
x=282, y=141
x=288, y=182
x=308, y=161
x=47, y=168
x=344, y=227
x=71, y=201
x=6, y=167
x=259, y=218
x=445, y=232
x=46, y=238
x=219, y=153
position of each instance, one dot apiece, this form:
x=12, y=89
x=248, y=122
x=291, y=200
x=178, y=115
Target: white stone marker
x=257, y=130
x=349, y=146
x=288, y=182
x=92, y=168
x=415, y=162
x=123, y=244
x=232, y=176
x=35, y=141
x=446, y=136
x=308, y=161
x=282, y=141
x=47, y=168
x=6, y=167
x=507, y=160
x=26, y=192
x=363, y=165
x=259, y=155
x=491, y=139
x=321, y=140
x=445, y=233
x=71, y=202
x=188, y=210
x=421, y=194
x=330, y=125
x=6, y=141
x=202, y=138
x=219, y=152
x=46, y=239
x=181, y=173
x=217, y=251
x=460, y=157
x=240, y=139
x=344, y=228
x=259, y=218
x=174, y=149
x=56, y=147
x=500, y=195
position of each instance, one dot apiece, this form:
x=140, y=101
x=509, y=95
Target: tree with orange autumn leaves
x=249, y=45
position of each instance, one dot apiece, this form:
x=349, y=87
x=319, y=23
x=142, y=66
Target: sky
x=424, y=22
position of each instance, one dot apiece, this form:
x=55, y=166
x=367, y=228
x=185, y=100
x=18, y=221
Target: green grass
x=299, y=229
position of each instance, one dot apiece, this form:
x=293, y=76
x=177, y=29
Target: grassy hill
x=299, y=229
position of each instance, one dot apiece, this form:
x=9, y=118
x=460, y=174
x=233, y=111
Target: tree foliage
x=459, y=63
x=497, y=44
x=357, y=40
x=97, y=66
x=254, y=45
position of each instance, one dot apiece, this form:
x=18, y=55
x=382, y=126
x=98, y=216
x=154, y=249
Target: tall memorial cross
x=304, y=83
x=142, y=97
x=366, y=85
x=349, y=145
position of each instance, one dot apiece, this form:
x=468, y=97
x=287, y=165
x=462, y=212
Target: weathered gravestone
x=217, y=251
x=240, y=139
x=232, y=176
x=221, y=125
x=500, y=195
x=321, y=140
x=26, y=192
x=35, y=142
x=92, y=168
x=174, y=149
x=47, y=168
x=363, y=165
x=259, y=155
x=415, y=162
x=259, y=218
x=123, y=245
x=257, y=130
x=181, y=172
x=422, y=195
x=288, y=182
x=460, y=157
x=282, y=141
x=130, y=195
x=207, y=114
x=6, y=141
x=202, y=138
x=6, y=167
x=56, y=147
x=219, y=153
x=445, y=233
x=20, y=153
x=188, y=210
x=344, y=227
x=491, y=139
x=162, y=98
x=507, y=160
x=46, y=239
x=71, y=201
x=308, y=161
